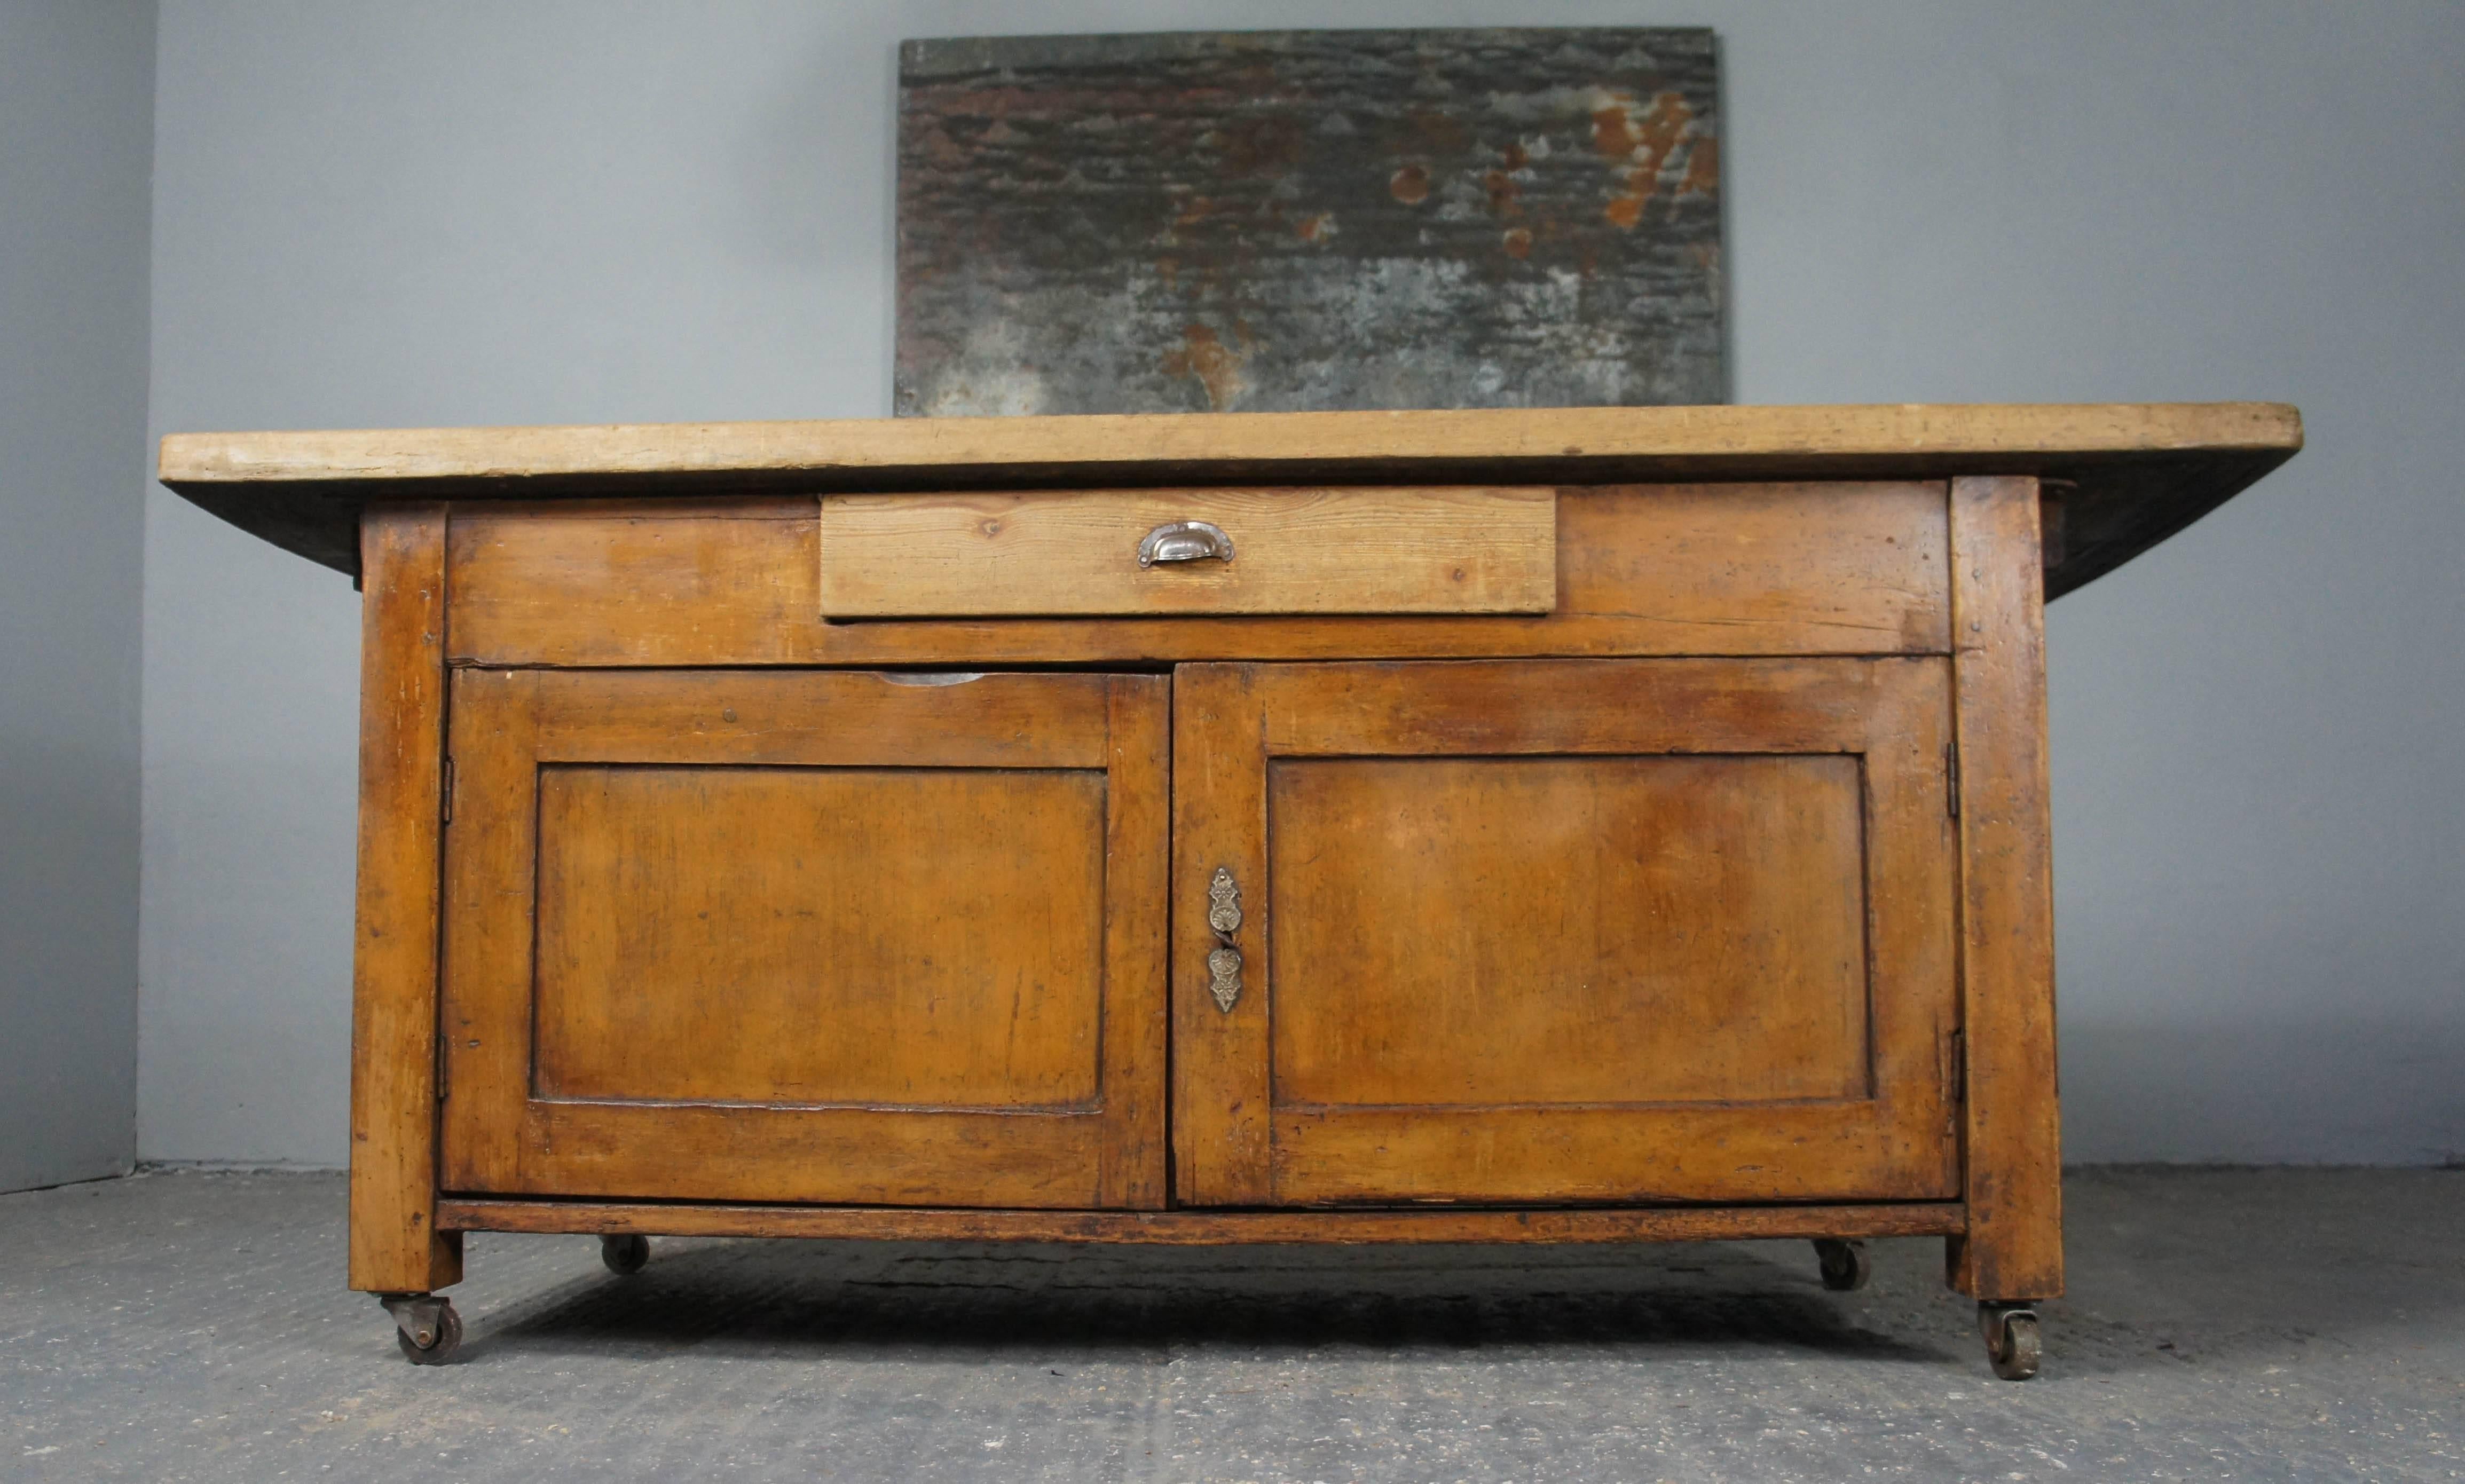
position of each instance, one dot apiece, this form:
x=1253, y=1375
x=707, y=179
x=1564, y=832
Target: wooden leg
x=2013, y=1248
x=395, y=1246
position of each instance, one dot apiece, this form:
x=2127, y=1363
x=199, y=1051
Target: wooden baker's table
x=1440, y=827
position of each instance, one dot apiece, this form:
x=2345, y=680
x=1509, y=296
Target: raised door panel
x=806, y=937
x=820, y=935
x=1579, y=931
x=1561, y=931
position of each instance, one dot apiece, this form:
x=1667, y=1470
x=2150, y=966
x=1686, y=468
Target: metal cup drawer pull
x=1185, y=541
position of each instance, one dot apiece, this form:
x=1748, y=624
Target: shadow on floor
x=789, y=1294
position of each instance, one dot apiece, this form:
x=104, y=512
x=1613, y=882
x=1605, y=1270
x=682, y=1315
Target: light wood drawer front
x=1382, y=550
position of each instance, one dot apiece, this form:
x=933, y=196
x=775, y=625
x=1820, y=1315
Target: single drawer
x=1378, y=551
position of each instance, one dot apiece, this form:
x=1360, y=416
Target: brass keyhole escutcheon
x=1224, y=961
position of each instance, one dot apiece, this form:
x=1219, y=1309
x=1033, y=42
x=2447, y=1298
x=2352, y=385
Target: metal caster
x=2012, y=1342
x=425, y=1326
x=1844, y=1264
x=625, y=1255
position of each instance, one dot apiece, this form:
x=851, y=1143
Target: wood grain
x=1148, y=449
x=1485, y=708
x=2015, y=1245
x=1136, y=1170
x=1446, y=550
x=1424, y=908
x=1683, y=569
x=1185, y=1228
x=1220, y=1098
x=1896, y=1147
x=712, y=718
x=396, y=1243
x=807, y=936
x=491, y=869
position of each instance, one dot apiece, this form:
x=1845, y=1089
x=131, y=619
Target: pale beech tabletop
x=2129, y=475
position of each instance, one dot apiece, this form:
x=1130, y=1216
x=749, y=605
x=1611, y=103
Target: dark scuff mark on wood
x=1309, y=220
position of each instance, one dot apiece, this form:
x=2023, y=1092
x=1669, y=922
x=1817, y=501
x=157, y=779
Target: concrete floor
x=2276, y=1324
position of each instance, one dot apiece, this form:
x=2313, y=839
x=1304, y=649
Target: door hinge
x=445, y=793
x=1951, y=778
x=442, y=1063
x=1955, y=1078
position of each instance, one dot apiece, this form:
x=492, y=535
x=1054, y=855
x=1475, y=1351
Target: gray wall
x=374, y=214
x=77, y=121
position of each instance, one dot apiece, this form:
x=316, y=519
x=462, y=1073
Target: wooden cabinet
x=1609, y=825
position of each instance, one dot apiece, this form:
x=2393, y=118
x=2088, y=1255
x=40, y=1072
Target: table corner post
x=2013, y=1248
x=394, y=1245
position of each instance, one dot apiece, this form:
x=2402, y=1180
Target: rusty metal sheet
x=1304, y=220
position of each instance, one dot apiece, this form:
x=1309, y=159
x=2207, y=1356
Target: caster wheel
x=1844, y=1265
x=625, y=1255
x=2012, y=1346
x=427, y=1329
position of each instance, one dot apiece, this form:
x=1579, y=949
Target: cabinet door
x=1565, y=931
x=807, y=936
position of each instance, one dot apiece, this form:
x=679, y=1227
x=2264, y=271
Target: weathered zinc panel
x=1300, y=220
